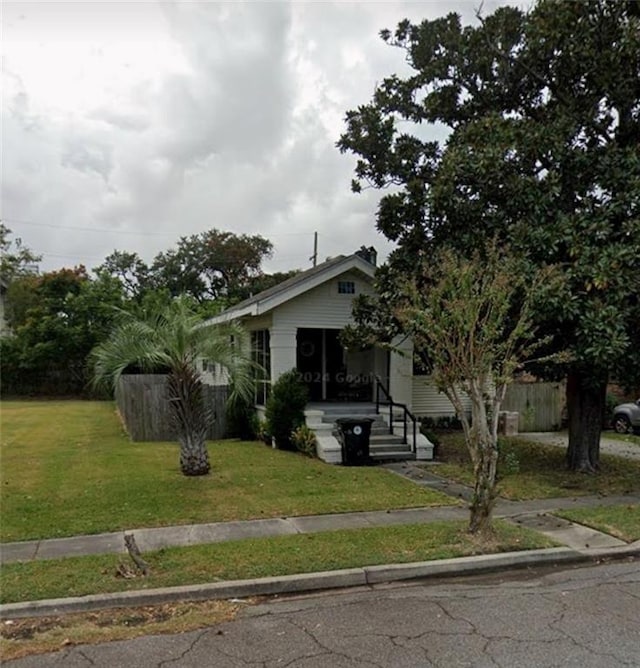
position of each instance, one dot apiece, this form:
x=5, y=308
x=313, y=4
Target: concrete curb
x=352, y=577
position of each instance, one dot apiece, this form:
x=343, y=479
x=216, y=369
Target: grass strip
x=68, y=468
x=529, y=470
x=254, y=558
x=39, y=635
x=620, y=521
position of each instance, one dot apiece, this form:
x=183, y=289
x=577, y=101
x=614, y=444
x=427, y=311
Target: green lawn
x=281, y=555
x=529, y=470
x=68, y=468
x=620, y=521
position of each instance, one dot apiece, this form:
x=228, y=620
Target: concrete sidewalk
x=149, y=539
x=580, y=544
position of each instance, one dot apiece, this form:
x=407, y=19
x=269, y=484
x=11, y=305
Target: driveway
x=608, y=446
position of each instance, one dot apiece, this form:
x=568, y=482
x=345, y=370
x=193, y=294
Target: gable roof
x=294, y=286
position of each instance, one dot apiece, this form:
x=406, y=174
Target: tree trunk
x=484, y=491
x=585, y=405
x=483, y=446
x=189, y=418
x=194, y=457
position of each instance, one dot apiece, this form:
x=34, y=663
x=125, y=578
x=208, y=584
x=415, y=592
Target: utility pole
x=314, y=257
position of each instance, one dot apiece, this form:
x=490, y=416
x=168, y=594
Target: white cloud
x=127, y=125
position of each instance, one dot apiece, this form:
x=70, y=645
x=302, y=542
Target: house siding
x=401, y=372
x=428, y=401
x=322, y=307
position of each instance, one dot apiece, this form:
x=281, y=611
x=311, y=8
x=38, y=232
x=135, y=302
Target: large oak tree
x=213, y=266
x=542, y=118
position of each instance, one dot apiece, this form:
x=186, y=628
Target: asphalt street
x=587, y=617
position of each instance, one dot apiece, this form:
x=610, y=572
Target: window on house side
x=261, y=354
x=346, y=288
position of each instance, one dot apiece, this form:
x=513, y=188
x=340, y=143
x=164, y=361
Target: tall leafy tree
x=476, y=320
x=211, y=265
x=258, y=283
x=175, y=339
x=129, y=269
x=542, y=111
x=16, y=259
x=56, y=319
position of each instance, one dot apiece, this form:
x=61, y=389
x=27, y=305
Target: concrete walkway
x=149, y=539
x=580, y=544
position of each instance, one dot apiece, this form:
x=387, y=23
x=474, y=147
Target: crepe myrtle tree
x=175, y=339
x=473, y=319
x=539, y=111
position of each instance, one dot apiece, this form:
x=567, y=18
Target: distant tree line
x=54, y=319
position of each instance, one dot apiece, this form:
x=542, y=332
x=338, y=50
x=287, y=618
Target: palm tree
x=175, y=339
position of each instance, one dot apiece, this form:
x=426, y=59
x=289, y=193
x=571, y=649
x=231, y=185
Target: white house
x=297, y=323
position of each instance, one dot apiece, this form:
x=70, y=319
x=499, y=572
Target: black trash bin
x=354, y=434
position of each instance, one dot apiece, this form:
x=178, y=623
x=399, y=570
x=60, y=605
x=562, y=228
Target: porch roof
x=269, y=299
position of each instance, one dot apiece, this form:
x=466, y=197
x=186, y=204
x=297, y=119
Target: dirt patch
x=39, y=635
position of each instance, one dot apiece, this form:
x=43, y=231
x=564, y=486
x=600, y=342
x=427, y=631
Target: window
x=346, y=288
x=261, y=355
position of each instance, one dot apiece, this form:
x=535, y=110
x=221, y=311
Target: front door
x=329, y=372
x=309, y=361
x=320, y=362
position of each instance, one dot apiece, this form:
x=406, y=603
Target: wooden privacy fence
x=143, y=406
x=540, y=405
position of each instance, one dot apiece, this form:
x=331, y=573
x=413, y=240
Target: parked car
x=626, y=417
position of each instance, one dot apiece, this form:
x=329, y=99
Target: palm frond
x=172, y=338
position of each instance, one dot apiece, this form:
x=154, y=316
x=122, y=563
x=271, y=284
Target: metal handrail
x=406, y=413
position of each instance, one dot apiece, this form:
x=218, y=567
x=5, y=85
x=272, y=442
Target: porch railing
x=406, y=413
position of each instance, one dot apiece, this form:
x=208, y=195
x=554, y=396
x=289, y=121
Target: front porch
x=331, y=373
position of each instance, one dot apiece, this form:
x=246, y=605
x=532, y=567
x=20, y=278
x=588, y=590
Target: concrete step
x=380, y=434
x=331, y=418
x=379, y=427
x=385, y=437
x=395, y=449
x=347, y=409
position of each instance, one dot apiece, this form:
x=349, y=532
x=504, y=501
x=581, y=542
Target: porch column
x=401, y=372
x=283, y=351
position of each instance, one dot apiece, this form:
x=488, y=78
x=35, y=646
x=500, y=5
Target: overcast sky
x=129, y=124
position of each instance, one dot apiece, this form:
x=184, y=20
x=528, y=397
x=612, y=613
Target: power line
x=73, y=257
x=125, y=231
x=88, y=229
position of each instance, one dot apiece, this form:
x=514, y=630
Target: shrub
x=262, y=432
x=508, y=460
x=427, y=423
x=242, y=421
x=442, y=423
x=285, y=408
x=304, y=440
x=449, y=423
